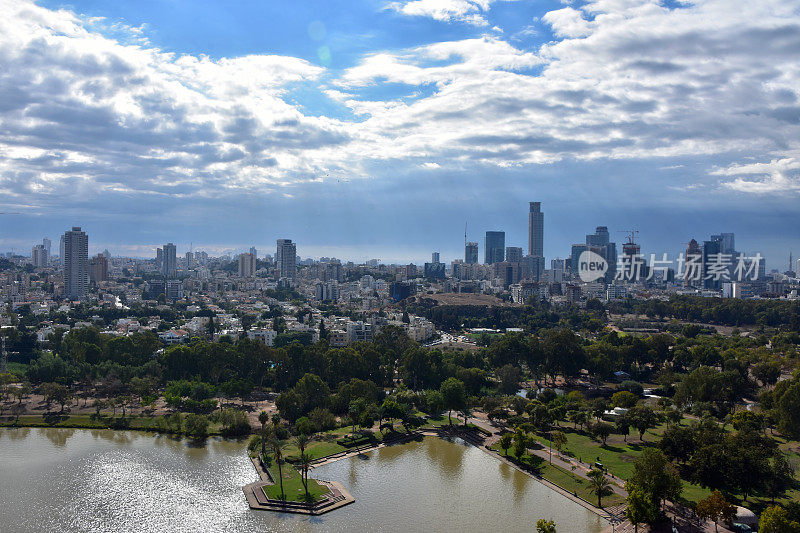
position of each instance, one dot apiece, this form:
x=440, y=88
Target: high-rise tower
x=76, y=264
x=286, y=257
x=536, y=230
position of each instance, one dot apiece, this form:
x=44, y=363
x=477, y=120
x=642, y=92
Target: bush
x=234, y=423
x=632, y=386
x=358, y=439
x=322, y=419
x=196, y=426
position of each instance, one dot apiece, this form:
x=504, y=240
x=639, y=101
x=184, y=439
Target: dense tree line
x=724, y=311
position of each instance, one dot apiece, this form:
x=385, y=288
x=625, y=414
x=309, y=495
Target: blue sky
x=379, y=128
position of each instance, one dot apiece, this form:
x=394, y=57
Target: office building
x=61, y=251
x=76, y=264
x=189, y=260
x=286, y=257
x=47, y=244
x=726, y=241
x=533, y=267
x=98, y=268
x=513, y=254
x=535, y=229
x=254, y=252
x=435, y=257
x=247, y=265
x=471, y=253
x=494, y=247
x=39, y=256
x=434, y=270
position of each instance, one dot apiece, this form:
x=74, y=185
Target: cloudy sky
x=374, y=128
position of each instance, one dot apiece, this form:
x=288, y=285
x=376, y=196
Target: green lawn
x=106, y=421
x=322, y=445
x=442, y=420
x=292, y=485
x=566, y=480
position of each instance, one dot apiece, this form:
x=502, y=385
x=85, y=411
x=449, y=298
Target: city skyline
x=417, y=256
x=386, y=126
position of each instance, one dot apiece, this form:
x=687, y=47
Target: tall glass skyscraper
x=495, y=248
x=536, y=230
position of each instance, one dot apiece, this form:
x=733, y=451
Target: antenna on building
x=465, y=235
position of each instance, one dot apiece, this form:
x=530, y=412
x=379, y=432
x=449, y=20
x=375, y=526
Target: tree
x=678, y=443
x=640, y=509
x=599, y=484
x=559, y=440
x=305, y=464
x=602, y=430
x=775, y=519
x=715, y=508
x=656, y=477
x=623, y=427
x=454, y=395
x=642, y=417
x=275, y=446
x=779, y=478
x=196, y=426
x=263, y=418
x=509, y=376
x=356, y=410
x=505, y=443
x=520, y=443
x=545, y=526
x=787, y=409
x=624, y=399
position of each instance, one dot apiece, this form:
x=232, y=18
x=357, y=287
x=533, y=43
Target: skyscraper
x=76, y=264
x=471, y=253
x=98, y=268
x=536, y=230
x=434, y=257
x=169, y=265
x=247, y=265
x=47, y=244
x=254, y=252
x=39, y=256
x=286, y=257
x=494, y=247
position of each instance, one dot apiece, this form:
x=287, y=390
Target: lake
x=122, y=481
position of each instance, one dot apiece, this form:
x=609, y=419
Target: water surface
x=105, y=481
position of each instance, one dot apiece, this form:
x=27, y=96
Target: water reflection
x=127, y=481
x=57, y=436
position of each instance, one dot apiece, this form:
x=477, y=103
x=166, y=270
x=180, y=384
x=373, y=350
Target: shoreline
x=428, y=432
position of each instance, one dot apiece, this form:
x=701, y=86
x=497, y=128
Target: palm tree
x=599, y=484
x=305, y=464
x=301, y=441
x=263, y=417
x=275, y=446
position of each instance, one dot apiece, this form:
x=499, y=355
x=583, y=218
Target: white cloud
x=630, y=79
x=96, y=114
x=82, y=113
x=568, y=22
x=468, y=11
x=778, y=176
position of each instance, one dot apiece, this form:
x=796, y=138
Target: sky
x=380, y=129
